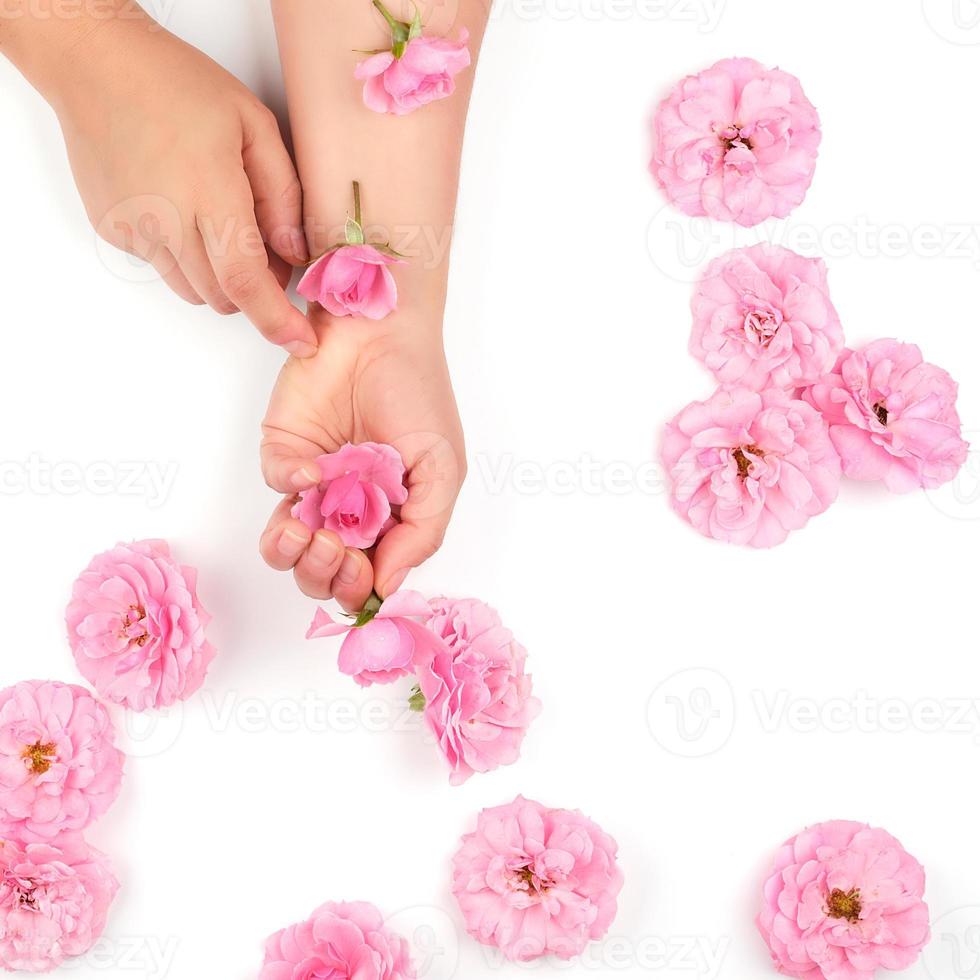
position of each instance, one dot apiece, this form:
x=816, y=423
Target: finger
x=196, y=267
x=281, y=269
x=354, y=581
x=165, y=262
x=241, y=266
x=435, y=476
x=275, y=187
x=287, y=466
x=285, y=539
x=318, y=565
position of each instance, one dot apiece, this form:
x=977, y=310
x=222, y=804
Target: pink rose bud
x=54, y=901
x=892, y=416
x=417, y=70
x=382, y=644
x=357, y=489
x=137, y=627
x=737, y=142
x=536, y=882
x=59, y=766
x=346, y=939
x=353, y=279
x=843, y=901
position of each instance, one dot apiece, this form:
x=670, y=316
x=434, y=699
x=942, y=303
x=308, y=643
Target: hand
x=387, y=384
x=180, y=164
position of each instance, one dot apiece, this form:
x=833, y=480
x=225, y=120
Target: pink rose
x=385, y=640
x=336, y=942
x=424, y=73
x=358, y=486
x=763, y=319
x=536, y=882
x=892, y=416
x=843, y=901
x=478, y=699
x=54, y=900
x=136, y=627
x=749, y=468
x=737, y=142
x=352, y=280
x=59, y=766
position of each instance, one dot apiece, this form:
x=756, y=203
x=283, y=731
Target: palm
x=390, y=390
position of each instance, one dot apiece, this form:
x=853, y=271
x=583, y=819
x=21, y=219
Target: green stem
x=417, y=701
x=392, y=23
x=357, y=202
x=369, y=611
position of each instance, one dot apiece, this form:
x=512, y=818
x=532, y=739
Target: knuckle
x=240, y=282
x=292, y=195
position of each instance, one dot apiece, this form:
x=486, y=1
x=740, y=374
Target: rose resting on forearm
x=384, y=380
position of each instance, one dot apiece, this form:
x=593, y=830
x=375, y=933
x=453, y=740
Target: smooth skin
x=176, y=161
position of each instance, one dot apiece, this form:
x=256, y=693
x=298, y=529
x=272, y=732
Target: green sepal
x=369, y=611
x=417, y=701
x=415, y=29
x=389, y=251
x=353, y=232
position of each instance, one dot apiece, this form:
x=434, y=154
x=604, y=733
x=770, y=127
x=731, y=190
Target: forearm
x=407, y=166
x=51, y=41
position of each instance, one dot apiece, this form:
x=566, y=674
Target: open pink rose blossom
x=385, y=647
x=892, y=416
x=136, y=627
x=843, y=901
x=352, y=280
x=478, y=700
x=535, y=881
x=339, y=941
x=763, y=319
x=737, y=142
x=418, y=69
x=748, y=468
x=357, y=489
x=59, y=766
x=54, y=900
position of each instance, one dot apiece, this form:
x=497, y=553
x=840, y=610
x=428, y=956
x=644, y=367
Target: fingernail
x=292, y=544
x=324, y=550
x=350, y=568
x=394, y=583
x=300, y=348
x=304, y=478
x=298, y=241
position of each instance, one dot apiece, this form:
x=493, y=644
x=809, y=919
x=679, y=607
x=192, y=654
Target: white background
x=567, y=330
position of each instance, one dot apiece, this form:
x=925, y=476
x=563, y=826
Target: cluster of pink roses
x=60, y=770
x=136, y=629
x=530, y=880
x=471, y=683
x=354, y=279
x=796, y=409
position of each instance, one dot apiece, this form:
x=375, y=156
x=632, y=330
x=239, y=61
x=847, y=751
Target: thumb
x=434, y=481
